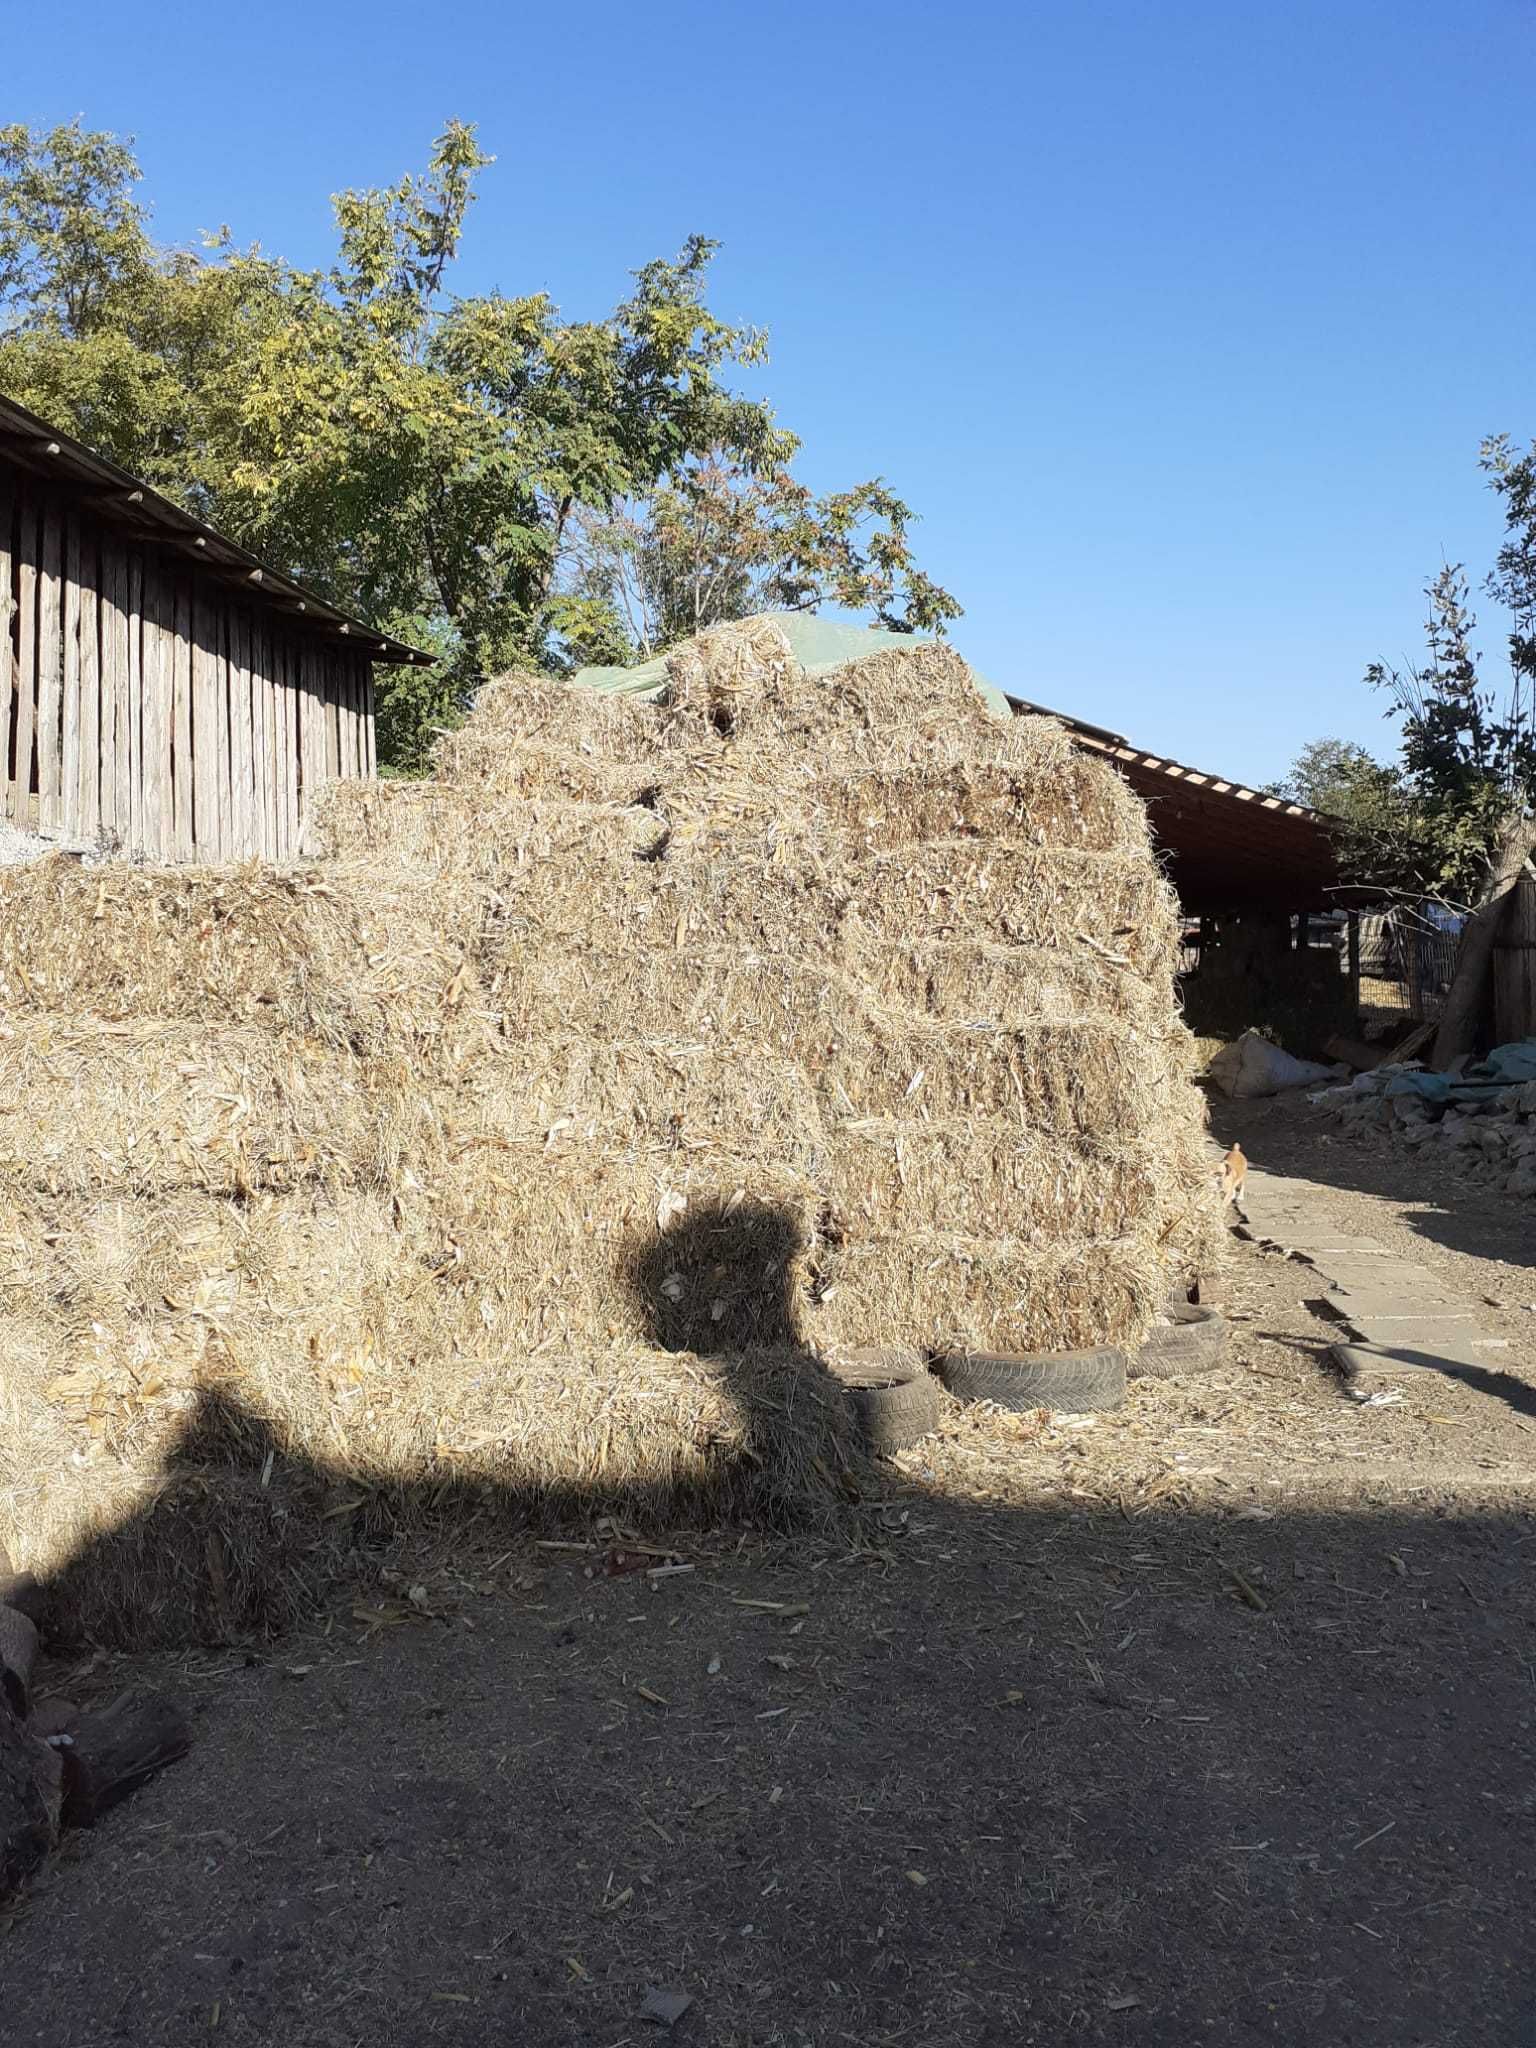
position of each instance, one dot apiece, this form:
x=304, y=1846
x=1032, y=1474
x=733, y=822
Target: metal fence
x=1406, y=964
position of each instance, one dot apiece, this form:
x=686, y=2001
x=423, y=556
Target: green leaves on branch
x=473, y=474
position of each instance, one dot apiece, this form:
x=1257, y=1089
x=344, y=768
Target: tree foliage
x=459, y=470
x=720, y=540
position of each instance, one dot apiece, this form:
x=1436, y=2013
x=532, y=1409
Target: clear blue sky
x=1179, y=324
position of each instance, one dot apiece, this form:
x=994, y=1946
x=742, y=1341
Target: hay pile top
x=551, y=1129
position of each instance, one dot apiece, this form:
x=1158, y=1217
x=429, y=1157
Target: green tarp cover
x=817, y=644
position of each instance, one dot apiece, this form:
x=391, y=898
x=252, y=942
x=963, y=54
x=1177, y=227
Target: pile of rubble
x=1483, y=1113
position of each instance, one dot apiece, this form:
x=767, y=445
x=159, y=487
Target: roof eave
x=132, y=504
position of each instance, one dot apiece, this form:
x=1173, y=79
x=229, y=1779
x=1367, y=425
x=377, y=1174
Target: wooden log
x=19, y=1642
x=88, y=776
x=50, y=665
x=26, y=656
x=117, y=1749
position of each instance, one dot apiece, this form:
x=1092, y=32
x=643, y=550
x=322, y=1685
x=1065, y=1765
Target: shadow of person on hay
x=249, y=1526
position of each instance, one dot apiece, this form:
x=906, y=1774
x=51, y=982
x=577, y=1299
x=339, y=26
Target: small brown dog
x=1230, y=1176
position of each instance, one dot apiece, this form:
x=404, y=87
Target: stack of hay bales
x=545, y=1136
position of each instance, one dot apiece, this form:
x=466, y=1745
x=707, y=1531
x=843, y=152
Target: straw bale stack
x=534, y=1148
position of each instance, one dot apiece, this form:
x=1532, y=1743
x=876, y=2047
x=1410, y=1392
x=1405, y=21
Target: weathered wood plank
x=370, y=729
x=26, y=655
x=207, y=750
x=159, y=820
x=69, y=752
x=88, y=767
x=135, y=588
x=114, y=688
x=239, y=738
x=289, y=678
x=50, y=664
x=334, y=670
x=218, y=626
x=264, y=700
x=7, y=638
x=183, y=840
x=262, y=726
x=312, y=756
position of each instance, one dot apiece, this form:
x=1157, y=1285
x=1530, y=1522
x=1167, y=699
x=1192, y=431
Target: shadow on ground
x=962, y=1776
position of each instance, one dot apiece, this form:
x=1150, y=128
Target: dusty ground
x=1208, y=1721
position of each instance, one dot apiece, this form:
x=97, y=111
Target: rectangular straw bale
x=894, y=1176
x=966, y=981
x=441, y=827
x=1084, y=1076
x=146, y=1109
x=632, y=1095
x=364, y=960
x=943, y=1292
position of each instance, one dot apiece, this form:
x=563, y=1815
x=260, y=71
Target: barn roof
x=1228, y=847
x=131, y=505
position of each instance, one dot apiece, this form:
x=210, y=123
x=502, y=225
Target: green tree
x=1456, y=820
x=437, y=464
x=1330, y=775
x=721, y=540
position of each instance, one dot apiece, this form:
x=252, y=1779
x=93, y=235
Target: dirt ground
x=1211, y=1720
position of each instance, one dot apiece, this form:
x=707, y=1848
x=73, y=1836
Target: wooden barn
x=163, y=691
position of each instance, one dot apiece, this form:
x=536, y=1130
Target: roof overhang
x=1227, y=847
x=133, y=507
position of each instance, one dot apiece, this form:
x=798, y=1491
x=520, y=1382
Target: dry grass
x=538, y=1144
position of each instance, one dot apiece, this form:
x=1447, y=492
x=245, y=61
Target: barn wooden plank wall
x=146, y=704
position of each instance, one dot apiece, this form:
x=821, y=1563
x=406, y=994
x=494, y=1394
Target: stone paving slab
x=1390, y=1304
x=1425, y=1347
x=1401, y=1355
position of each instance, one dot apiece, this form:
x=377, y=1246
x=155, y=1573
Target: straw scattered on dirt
x=547, y=1136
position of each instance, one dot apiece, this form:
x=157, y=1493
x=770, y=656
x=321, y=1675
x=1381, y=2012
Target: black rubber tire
x=1071, y=1382
x=892, y=1394
x=1185, y=1339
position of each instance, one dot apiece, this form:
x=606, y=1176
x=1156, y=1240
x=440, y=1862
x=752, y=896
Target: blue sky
x=1179, y=324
